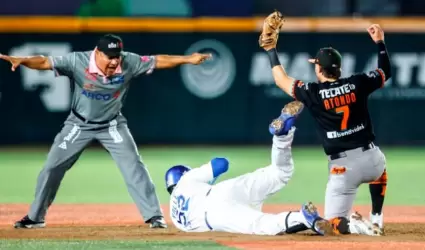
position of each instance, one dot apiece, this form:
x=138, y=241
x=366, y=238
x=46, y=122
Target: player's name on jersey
x=338, y=96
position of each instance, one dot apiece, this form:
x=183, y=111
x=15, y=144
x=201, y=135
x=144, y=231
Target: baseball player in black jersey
x=339, y=106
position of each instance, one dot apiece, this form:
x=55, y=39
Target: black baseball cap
x=110, y=45
x=327, y=58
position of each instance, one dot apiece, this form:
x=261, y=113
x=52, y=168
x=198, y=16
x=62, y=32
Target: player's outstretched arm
x=168, y=61
x=32, y=62
x=384, y=63
x=209, y=172
x=268, y=40
x=282, y=80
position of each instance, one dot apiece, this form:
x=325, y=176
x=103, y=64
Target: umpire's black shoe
x=26, y=222
x=157, y=222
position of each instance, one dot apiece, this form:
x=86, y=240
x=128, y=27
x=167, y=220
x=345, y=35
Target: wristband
x=274, y=59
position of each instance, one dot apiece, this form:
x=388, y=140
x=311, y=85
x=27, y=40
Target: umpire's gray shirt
x=95, y=96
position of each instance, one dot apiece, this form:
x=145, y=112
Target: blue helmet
x=173, y=176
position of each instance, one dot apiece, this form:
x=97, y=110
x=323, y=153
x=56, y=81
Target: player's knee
x=340, y=225
x=53, y=167
x=219, y=166
x=382, y=179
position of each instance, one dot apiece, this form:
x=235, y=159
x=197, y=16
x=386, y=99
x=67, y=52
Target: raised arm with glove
x=268, y=40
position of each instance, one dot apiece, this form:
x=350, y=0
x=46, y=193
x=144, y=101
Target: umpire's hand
x=197, y=58
x=15, y=61
x=376, y=33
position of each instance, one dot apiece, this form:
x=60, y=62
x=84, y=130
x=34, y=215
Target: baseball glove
x=271, y=28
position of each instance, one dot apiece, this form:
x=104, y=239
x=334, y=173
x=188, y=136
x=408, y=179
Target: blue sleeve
x=209, y=172
x=219, y=166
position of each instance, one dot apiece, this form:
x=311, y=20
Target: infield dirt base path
x=405, y=228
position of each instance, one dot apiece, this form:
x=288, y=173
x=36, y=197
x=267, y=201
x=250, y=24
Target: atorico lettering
x=339, y=96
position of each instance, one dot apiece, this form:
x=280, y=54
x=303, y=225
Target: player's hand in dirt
x=15, y=61
x=197, y=58
x=376, y=33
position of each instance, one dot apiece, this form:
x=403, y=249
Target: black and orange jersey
x=340, y=109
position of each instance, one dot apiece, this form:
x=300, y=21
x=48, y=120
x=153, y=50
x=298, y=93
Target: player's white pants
x=235, y=205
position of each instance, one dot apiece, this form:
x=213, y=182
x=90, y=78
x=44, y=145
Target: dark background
x=161, y=109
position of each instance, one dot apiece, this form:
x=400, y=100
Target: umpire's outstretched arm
x=170, y=61
x=32, y=62
x=162, y=61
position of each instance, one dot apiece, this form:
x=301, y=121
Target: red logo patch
x=89, y=86
x=145, y=58
x=117, y=94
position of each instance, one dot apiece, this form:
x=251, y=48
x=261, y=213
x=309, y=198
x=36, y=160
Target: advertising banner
x=230, y=99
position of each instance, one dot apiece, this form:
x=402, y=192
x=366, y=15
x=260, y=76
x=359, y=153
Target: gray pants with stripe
x=68, y=145
x=346, y=175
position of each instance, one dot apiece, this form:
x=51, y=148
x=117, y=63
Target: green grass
x=107, y=245
x=96, y=179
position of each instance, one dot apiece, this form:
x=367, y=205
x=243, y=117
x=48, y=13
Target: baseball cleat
x=26, y=222
x=286, y=120
x=359, y=225
x=314, y=221
x=157, y=222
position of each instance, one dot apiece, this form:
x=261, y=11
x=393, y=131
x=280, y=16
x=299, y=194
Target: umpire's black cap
x=327, y=58
x=111, y=45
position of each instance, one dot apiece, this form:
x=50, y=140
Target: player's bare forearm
x=35, y=62
x=32, y=62
x=282, y=80
x=167, y=61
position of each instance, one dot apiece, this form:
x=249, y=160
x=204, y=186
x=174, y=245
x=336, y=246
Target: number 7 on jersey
x=345, y=110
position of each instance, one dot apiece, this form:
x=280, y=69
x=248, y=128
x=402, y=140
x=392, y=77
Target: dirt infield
x=405, y=228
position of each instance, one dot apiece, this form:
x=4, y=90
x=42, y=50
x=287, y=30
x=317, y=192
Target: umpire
x=100, y=79
x=339, y=106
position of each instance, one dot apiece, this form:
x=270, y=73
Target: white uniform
x=234, y=205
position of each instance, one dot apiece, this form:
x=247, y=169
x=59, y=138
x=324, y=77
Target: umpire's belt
x=343, y=154
x=91, y=122
x=206, y=221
